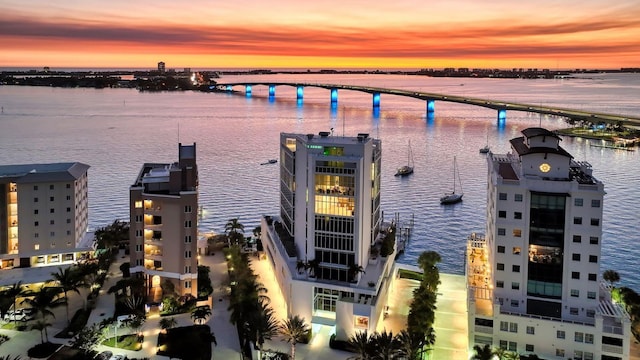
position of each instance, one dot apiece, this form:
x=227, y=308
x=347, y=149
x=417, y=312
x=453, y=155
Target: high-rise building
x=161, y=67
x=534, y=279
x=44, y=214
x=326, y=245
x=164, y=224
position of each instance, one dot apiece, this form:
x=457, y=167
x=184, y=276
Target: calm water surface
x=116, y=130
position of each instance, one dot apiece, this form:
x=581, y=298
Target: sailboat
x=406, y=169
x=453, y=197
x=485, y=149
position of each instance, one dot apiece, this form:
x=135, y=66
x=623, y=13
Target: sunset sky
x=370, y=34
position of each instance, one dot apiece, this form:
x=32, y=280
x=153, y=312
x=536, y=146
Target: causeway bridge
x=501, y=107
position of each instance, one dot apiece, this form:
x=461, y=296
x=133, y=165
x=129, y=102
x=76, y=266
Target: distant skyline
x=334, y=34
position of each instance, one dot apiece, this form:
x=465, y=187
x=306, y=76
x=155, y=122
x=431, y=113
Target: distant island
x=172, y=80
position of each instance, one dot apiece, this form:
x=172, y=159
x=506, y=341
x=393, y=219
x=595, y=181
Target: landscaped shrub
x=339, y=344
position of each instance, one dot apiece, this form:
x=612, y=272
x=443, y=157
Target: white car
x=118, y=357
x=18, y=315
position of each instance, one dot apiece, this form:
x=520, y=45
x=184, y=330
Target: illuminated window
x=517, y=232
x=36, y=247
x=138, y=205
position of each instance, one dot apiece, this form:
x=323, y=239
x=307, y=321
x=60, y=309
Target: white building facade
x=534, y=280
x=325, y=245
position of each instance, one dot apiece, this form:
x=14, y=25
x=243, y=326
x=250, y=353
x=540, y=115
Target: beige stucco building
x=43, y=214
x=164, y=224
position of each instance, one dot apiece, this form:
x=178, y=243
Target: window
x=517, y=233
x=35, y=187
x=187, y=254
x=187, y=284
x=68, y=186
x=138, y=204
x=36, y=247
x=575, y=257
x=595, y=222
x=516, y=250
x=575, y=293
x=138, y=262
x=187, y=239
x=515, y=303
x=593, y=259
x=36, y=235
x=35, y=212
x=35, y=199
x=588, y=338
x=560, y=352
x=513, y=327
x=591, y=294
x=578, y=202
x=502, y=196
x=577, y=238
x=515, y=268
x=595, y=203
x=187, y=224
x=68, y=197
x=517, y=215
x=591, y=313
x=531, y=331
x=52, y=234
x=68, y=209
x=504, y=326
x=593, y=277
x=69, y=233
x=513, y=346
x=577, y=355
x=500, y=284
x=51, y=211
x=528, y=347
x=575, y=275
x=501, y=249
x=577, y=220
x=573, y=311
x=503, y=344
x=51, y=198
x=515, y=286
x=500, y=266
x=36, y=223
x=138, y=233
x=187, y=269
x=187, y=208
x=501, y=231
x=51, y=222
x=579, y=337
x=593, y=240
x=588, y=356
x=50, y=187
x=517, y=197
x=560, y=334
x=502, y=214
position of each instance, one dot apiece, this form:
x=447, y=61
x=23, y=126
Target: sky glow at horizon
x=330, y=34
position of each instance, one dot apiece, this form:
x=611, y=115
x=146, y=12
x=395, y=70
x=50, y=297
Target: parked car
x=118, y=357
x=105, y=355
x=18, y=315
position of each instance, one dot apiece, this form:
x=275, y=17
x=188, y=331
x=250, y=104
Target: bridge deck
x=594, y=117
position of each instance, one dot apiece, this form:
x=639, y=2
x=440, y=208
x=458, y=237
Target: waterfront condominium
x=534, y=280
x=163, y=214
x=325, y=246
x=43, y=214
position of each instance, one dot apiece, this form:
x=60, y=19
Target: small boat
x=485, y=149
x=406, y=169
x=453, y=197
x=272, y=161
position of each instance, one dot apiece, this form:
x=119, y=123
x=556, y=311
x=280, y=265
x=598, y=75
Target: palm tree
x=234, y=230
x=8, y=357
x=265, y=324
x=68, y=280
x=294, y=330
x=41, y=325
x=168, y=323
x=13, y=292
x=611, y=276
x=482, y=353
x=385, y=345
x=200, y=314
x=511, y=355
x=360, y=343
x=410, y=344
x=354, y=270
x=43, y=300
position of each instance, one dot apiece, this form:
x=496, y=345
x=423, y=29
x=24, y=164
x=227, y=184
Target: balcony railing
x=612, y=349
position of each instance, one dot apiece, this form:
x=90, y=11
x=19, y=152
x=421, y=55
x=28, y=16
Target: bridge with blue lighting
x=501, y=107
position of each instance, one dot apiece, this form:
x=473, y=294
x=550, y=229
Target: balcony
x=153, y=241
